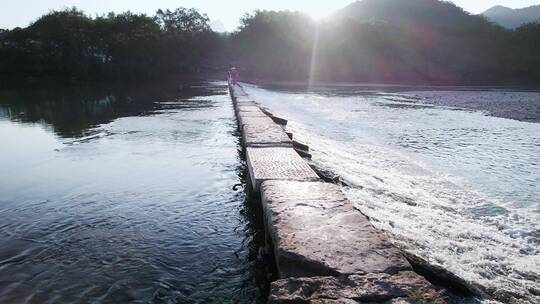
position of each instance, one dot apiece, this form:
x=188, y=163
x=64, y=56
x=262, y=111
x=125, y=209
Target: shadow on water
x=73, y=111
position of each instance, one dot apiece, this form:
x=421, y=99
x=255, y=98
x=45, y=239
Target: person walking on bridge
x=234, y=75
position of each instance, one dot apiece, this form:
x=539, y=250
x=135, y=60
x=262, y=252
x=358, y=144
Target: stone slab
x=238, y=91
x=246, y=103
x=317, y=232
x=276, y=119
x=241, y=108
x=301, y=146
x=248, y=109
x=244, y=98
x=277, y=164
x=279, y=120
x=402, y=287
x=252, y=118
x=259, y=132
x=252, y=112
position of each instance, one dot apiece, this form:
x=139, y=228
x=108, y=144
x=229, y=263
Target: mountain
x=513, y=18
x=438, y=16
x=413, y=39
x=387, y=41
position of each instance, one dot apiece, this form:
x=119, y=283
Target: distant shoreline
x=534, y=87
x=510, y=102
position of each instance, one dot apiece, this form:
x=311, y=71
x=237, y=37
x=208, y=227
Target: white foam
x=456, y=187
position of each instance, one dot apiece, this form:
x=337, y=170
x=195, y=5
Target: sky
x=15, y=13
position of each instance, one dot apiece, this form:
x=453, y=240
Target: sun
x=318, y=15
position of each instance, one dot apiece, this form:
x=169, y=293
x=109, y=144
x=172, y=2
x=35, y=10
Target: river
x=450, y=174
x=125, y=194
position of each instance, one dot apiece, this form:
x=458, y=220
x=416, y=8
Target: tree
x=370, y=40
x=384, y=41
x=3, y=34
x=61, y=42
x=70, y=45
x=275, y=44
x=183, y=20
x=527, y=39
x=129, y=44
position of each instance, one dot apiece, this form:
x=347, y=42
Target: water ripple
x=141, y=209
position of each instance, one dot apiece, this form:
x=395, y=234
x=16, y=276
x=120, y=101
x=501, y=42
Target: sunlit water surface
x=124, y=196
x=455, y=186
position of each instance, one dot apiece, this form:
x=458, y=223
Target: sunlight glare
x=317, y=15
x=313, y=64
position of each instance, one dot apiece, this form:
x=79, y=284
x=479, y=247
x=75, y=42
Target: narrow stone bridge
x=325, y=250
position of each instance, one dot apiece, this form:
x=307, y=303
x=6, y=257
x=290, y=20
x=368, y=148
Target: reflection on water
x=72, y=111
x=452, y=185
x=125, y=194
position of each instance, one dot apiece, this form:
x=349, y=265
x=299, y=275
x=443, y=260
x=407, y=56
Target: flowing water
x=446, y=180
x=125, y=195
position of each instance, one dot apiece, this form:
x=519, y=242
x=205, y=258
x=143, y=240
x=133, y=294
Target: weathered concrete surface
x=349, y=301
x=276, y=119
x=442, y=276
x=238, y=91
x=402, y=287
x=242, y=98
x=317, y=232
x=304, y=154
x=253, y=118
x=245, y=102
x=291, y=136
x=241, y=108
x=250, y=111
x=241, y=95
x=300, y=146
x=301, y=149
x=277, y=164
x=258, y=132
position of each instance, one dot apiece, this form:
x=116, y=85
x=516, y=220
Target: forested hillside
x=70, y=44
x=389, y=40
x=513, y=18
x=414, y=41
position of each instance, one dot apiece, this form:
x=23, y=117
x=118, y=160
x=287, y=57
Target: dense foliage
x=69, y=44
x=388, y=40
x=370, y=40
